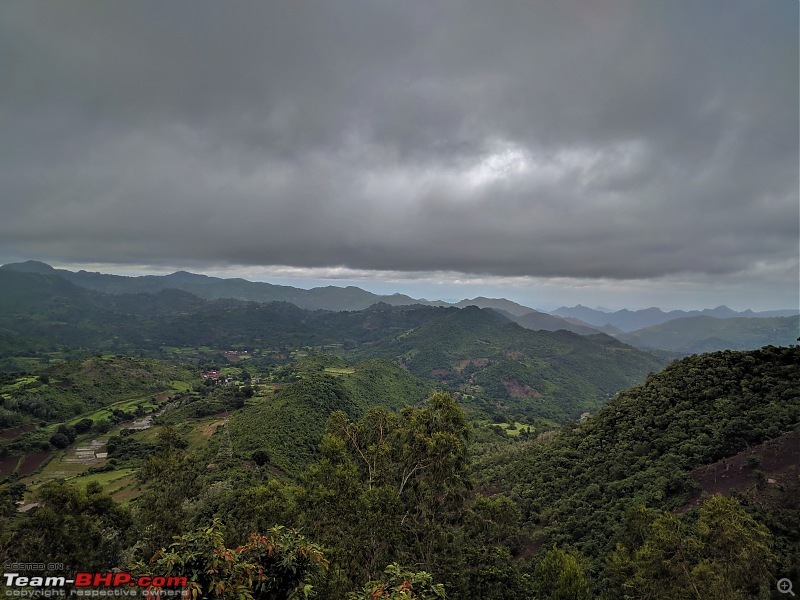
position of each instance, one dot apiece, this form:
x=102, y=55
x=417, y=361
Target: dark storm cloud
x=614, y=139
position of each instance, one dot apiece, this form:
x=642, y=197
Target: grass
x=22, y=381
x=337, y=371
x=106, y=412
x=518, y=427
x=196, y=432
x=57, y=468
x=119, y=483
x=201, y=431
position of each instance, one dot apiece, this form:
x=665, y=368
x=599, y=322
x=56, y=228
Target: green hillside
x=82, y=396
x=578, y=487
x=692, y=335
x=599, y=506
x=553, y=375
x=489, y=360
x=46, y=312
x=289, y=424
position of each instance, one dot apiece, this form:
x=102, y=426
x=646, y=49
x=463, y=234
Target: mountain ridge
x=631, y=320
x=579, y=318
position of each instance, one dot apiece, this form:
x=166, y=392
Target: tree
x=83, y=425
x=433, y=477
x=68, y=431
x=102, y=426
x=560, y=576
x=724, y=554
x=389, y=488
x=81, y=527
x=59, y=440
x=260, y=457
x=400, y=583
x=172, y=477
x=282, y=564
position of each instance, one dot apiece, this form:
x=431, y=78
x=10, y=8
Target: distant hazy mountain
x=631, y=320
x=480, y=353
x=508, y=306
x=699, y=334
x=539, y=321
x=579, y=319
x=609, y=329
x=214, y=288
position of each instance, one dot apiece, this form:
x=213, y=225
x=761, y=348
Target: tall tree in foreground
x=76, y=526
x=560, y=576
x=280, y=565
x=724, y=554
x=389, y=488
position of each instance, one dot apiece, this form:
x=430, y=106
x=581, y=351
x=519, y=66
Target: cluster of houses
x=216, y=376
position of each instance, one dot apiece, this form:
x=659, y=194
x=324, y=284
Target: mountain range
x=675, y=331
x=631, y=320
x=480, y=353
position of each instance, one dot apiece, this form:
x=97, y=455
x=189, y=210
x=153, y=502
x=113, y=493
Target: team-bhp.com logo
x=99, y=581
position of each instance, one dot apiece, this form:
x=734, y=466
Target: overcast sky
x=617, y=152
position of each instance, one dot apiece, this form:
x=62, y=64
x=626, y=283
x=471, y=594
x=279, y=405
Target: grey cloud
x=650, y=138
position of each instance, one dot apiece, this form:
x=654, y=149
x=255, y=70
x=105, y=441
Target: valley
x=447, y=445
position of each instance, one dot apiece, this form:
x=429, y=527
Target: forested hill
x=547, y=374
x=43, y=311
x=579, y=487
x=691, y=335
x=330, y=298
x=491, y=361
x=291, y=424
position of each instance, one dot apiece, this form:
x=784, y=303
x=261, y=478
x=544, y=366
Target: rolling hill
x=699, y=334
x=289, y=424
x=330, y=297
x=582, y=487
x=554, y=375
x=631, y=320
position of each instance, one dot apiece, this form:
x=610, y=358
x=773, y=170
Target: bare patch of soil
x=516, y=389
x=10, y=434
x=31, y=462
x=440, y=372
x=475, y=362
x=778, y=460
x=210, y=429
x=7, y=465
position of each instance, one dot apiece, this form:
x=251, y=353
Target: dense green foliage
x=51, y=313
x=277, y=566
x=328, y=425
x=548, y=374
x=289, y=424
x=66, y=390
x=81, y=527
x=723, y=554
x=639, y=450
x=388, y=502
x=492, y=362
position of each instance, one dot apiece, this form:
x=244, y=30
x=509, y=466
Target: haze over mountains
x=630, y=320
x=675, y=331
x=481, y=353
x=354, y=298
